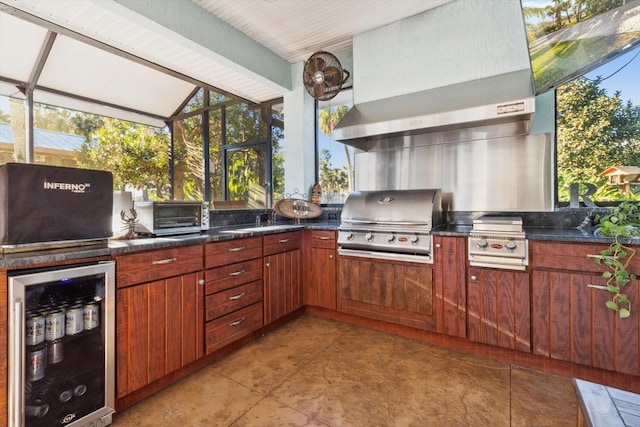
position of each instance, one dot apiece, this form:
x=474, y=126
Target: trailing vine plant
x=622, y=222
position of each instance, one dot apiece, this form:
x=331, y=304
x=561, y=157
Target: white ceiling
x=294, y=29
x=120, y=39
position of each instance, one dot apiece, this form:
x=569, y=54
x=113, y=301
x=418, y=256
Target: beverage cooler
x=61, y=346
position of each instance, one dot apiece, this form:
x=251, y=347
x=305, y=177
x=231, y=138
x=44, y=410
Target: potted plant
x=623, y=221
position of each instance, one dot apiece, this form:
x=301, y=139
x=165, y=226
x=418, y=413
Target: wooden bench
x=602, y=406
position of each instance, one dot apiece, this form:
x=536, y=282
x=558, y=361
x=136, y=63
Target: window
x=334, y=159
x=598, y=133
x=244, y=160
x=136, y=154
x=589, y=52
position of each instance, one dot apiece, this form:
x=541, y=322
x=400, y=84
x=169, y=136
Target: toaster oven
x=174, y=217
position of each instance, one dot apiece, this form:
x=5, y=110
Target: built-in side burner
x=498, y=242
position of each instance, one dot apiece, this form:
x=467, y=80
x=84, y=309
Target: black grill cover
x=40, y=203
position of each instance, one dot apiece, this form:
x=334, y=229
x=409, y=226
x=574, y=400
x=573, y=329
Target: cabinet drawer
x=219, y=279
x=232, y=327
x=570, y=256
x=148, y=266
x=282, y=242
x=323, y=239
x=233, y=299
x=223, y=253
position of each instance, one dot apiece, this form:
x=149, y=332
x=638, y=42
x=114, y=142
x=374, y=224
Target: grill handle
x=392, y=223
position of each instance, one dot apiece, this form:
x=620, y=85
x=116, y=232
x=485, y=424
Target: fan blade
x=318, y=91
x=307, y=78
x=316, y=64
x=333, y=76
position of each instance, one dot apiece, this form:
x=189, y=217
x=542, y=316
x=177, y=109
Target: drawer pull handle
x=331, y=256
x=164, y=261
x=323, y=238
x=602, y=288
x=601, y=256
x=238, y=249
x=237, y=273
x=201, y=282
x=237, y=322
x=235, y=297
x=283, y=240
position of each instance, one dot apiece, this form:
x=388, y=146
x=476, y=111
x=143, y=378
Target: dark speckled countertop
x=122, y=246
x=117, y=247
x=576, y=235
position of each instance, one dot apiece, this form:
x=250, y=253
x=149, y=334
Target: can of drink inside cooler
x=74, y=320
x=91, y=316
x=36, y=362
x=55, y=324
x=55, y=351
x=34, y=328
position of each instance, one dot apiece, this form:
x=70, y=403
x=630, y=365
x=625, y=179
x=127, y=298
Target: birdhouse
x=623, y=176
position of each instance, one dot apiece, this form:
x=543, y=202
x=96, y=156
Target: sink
x=263, y=229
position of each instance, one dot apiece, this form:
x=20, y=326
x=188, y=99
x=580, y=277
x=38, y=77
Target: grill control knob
x=510, y=246
x=369, y=237
x=482, y=244
x=349, y=236
x=391, y=238
x=414, y=239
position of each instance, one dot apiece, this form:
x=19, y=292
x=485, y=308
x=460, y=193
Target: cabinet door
x=498, y=308
x=395, y=292
x=570, y=322
x=160, y=328
x=282, y=284
x=321, y=278
x=450, y=257
x=320, y=268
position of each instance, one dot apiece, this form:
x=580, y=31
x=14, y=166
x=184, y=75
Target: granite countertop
x=121, y=246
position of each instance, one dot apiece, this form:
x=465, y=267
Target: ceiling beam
x=202, y=30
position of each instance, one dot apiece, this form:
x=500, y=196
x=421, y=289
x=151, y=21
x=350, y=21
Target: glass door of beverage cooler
x=61, y=346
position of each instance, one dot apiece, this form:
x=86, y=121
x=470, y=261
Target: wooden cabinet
x=498, y=308
x=320, y=268
x=570, y=321
x=450, y=258
x=396, y=292
x=282, y=274
x=233, y=288
x=160, y=319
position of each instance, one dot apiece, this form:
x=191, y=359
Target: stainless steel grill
x=498, y=242
x=390, y=224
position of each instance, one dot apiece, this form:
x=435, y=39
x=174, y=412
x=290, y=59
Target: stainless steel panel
x=422, y=259
x=509, y=174
x=457, y=107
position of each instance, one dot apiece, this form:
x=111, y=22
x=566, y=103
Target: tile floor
x=319, y=372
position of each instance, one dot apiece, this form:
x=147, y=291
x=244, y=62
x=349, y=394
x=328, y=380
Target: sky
x=626, y=80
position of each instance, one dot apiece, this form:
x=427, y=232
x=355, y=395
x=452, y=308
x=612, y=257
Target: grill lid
x=393, y=208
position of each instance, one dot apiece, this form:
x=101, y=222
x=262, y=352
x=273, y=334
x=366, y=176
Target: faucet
x=260, y=218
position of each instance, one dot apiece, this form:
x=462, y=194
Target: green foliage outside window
x=594, y=132
x=137, y=155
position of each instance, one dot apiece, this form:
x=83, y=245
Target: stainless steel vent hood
x=467, y=66
x=490, y=101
